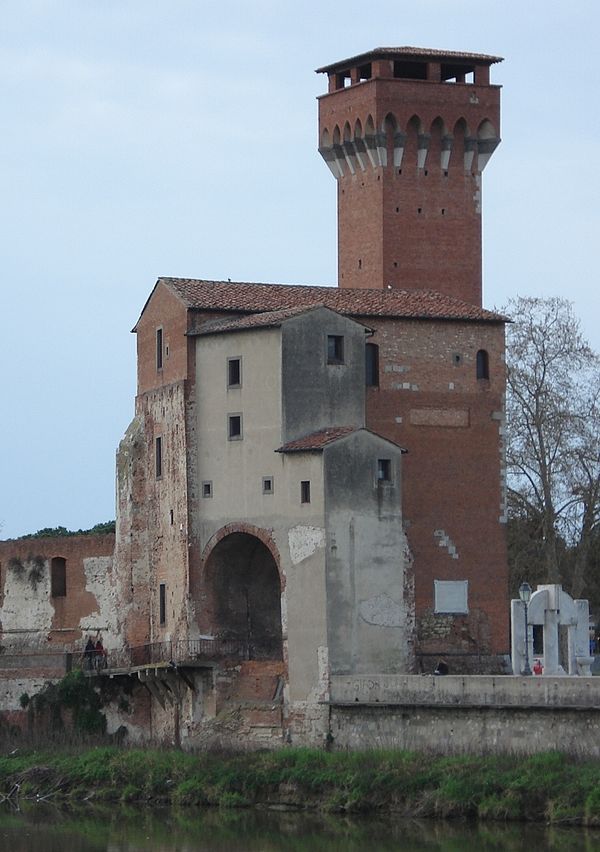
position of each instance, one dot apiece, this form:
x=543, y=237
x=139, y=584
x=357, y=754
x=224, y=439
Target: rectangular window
x=58, y=577
x=159, y=348
x=207, y=490
x=335, y=349
x=158, y=458
x=372, y=365
x=171, y=517
x=234, y=372
x=384, y=470
x=305, y=491
x=162, y=604
x=234, y=427
x=267, y=485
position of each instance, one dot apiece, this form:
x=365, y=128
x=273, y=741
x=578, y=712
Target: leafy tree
x=59, y=532
x=553, y=448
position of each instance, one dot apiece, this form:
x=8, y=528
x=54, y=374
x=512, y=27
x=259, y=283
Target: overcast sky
x=178, y=137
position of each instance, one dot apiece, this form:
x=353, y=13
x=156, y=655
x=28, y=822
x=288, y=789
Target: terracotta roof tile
x=316, y=440
x=413, y=52
x=264, y=320
x=320, y=439
x=244, y=297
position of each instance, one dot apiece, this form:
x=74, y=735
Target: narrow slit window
x=305, y=491
x=234, y=427
x=162, y=604
x=159, y=348
x=234, y=372
x=158, y=457
x=384, y=470
x=58, y=577
x=372, y=365
x=335, y=349
x=483, y=365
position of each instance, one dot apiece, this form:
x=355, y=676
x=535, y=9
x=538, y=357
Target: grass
x=549, y=787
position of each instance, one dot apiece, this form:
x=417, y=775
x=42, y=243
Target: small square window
x=384, y=470
x=234, y=372
x=207, y=489
x=234, y=427
x=305, y=491
x=335, y=349
x=267, y=485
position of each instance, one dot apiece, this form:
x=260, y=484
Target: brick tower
x=407, y=133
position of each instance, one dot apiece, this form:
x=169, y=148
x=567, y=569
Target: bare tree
x=553, y=429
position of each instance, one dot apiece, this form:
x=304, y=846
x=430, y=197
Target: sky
x=143, y=138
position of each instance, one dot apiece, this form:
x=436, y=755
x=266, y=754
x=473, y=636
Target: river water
x=40, y=828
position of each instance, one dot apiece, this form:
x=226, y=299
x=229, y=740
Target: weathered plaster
x=383, y=611
x=99, y=581
x=304, y=541
x=27, y=612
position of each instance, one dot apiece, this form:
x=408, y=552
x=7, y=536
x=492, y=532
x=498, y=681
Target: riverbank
x=550, y=787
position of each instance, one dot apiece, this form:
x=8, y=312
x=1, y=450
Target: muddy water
x=46, y=829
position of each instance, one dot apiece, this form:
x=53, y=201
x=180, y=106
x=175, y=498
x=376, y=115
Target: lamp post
x=525, y=595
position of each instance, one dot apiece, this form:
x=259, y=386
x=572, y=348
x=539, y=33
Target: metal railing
x=178, y=651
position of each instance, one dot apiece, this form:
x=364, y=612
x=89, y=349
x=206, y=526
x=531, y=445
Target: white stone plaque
x=451, y=596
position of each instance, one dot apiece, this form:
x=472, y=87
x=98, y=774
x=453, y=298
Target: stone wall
x=468, y=730
x=456, y=714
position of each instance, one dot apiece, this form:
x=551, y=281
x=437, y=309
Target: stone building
x=313, y=484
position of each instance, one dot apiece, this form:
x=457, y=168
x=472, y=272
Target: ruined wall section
x=132, y=535
x=152, y=518
x=431, y=402
x=34, y=616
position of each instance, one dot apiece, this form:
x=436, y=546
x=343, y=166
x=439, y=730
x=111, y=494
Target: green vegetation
x=548, y=787
x=74, y=693
x=59, y=532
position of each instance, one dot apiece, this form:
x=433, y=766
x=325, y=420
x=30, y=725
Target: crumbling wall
x=32, y=617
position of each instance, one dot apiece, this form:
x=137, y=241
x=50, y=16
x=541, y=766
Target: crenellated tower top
x=407, y=132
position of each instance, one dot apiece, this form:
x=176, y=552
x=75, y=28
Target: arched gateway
x=243, y=593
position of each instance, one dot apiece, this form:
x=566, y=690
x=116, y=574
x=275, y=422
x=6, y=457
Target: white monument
x=551, y=607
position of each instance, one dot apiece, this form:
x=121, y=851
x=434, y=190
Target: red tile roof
x=320, y=439
x=243, y=297
x=413, y=53
x=268, y=319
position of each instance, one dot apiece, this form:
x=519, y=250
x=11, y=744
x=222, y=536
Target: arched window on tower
x=483, y=364
x=372, y=365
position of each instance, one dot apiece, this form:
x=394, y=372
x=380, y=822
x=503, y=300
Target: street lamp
x=525, y=595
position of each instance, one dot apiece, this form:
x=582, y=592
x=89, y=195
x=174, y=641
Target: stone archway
x=242, y=579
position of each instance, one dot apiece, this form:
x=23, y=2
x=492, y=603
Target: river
x=40, y=828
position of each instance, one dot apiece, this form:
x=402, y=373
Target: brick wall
x=431, y=402
x=416, y=225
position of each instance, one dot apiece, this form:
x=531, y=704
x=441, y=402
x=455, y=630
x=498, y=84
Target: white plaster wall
x=236, y=469
x=11, y=689
x=99, y=581
x=27, y=612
